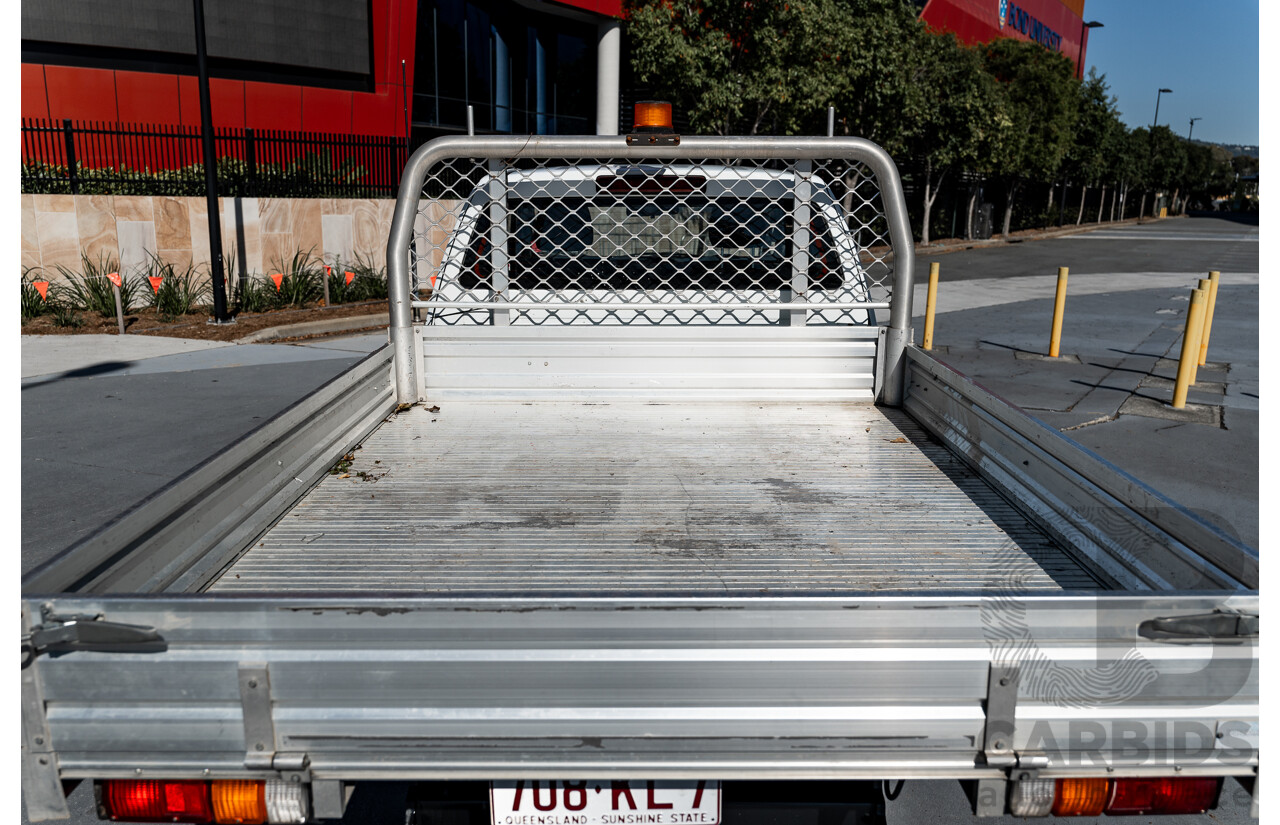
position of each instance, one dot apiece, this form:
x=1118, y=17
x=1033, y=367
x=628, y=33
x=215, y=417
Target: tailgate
x=492, y=688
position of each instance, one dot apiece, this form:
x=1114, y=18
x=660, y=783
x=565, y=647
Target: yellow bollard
x=1190, y=348
x=930, y=304
x=1208, y=317
x=1059, y=304
x=1205, y=286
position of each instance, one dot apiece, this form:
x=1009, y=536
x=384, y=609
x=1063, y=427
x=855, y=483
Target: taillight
x=237, y=801
x=1080, y=797
x=1116, y=797
x=157, y=801
x=1166, y=795
x=234, y=802
x=286, y=802
x=1031, y=797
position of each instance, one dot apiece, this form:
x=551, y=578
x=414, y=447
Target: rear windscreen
x=650, y=243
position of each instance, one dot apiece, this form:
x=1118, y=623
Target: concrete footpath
x=109, y=420
x=1110, y=388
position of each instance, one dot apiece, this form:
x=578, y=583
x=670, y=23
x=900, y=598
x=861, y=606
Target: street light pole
x=1092, y=24
x=220, y=315
x=1156, y=119
x=1192, y=126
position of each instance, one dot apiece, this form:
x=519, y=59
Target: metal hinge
x=260, y=729
x=85, y=631
x=1001, y=712
x=1218, y=626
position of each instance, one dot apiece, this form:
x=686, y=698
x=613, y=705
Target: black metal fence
x=69, y=157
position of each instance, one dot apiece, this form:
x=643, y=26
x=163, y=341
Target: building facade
x=405, y=68
x=377, y=67
x=1058, y=25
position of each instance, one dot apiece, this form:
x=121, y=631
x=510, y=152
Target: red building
x=372, y=68
x=1056, y=24
x=381, y=67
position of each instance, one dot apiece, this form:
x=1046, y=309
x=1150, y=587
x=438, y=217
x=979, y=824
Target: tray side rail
x=1122, y=530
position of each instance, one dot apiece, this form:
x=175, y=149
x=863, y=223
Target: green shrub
x=181, y=292
x=33, y=306
x=61, y=311
x=370, y=282
x=314, y=174
x=91, y=290
x=253, y=295
x=301, y=283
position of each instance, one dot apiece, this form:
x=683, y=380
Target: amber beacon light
x=653, y=125
x=653, y=114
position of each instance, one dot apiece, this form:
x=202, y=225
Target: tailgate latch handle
x=1219, y=626
x=87, y=632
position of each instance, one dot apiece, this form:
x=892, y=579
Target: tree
x=961, y=123
x=1096, y=134
x=1168, y=160
x=1038, y=88
x=881, y=92
x=744, y=66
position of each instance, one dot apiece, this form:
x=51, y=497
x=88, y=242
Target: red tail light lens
x=152, y=801
x=1191, y=795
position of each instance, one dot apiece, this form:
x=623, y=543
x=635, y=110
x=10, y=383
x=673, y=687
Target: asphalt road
x=98, y=439
x=1181, y=244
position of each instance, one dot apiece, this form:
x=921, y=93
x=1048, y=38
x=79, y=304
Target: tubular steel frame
x=800, y=149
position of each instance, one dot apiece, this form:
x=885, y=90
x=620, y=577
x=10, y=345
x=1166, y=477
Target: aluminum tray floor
x=682, y=498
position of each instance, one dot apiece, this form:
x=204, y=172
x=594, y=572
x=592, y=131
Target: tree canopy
x=1010, y=112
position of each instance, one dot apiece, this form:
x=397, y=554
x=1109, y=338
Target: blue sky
x=1206, y=51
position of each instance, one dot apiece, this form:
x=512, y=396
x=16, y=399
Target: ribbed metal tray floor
x=683, y=498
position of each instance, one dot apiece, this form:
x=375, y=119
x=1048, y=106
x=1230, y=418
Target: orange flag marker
x=278, y=279
x=43, y=288
x=155, y=280
x=351, y=276
x=114, y=277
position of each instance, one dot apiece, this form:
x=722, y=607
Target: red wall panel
x=33, y=103
x=226, y=99
x=144, y=97
x=613, y=8
x=81, y=94
x=384, y=42
x=378, y=114
x=326, y=110
x=272, y=106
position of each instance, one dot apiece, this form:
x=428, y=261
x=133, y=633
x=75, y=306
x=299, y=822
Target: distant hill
x=1233, y=148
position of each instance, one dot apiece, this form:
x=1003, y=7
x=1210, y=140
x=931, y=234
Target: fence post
x=251, y=162
x=70, y=139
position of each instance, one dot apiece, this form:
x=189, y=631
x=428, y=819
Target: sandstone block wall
x=259, y=235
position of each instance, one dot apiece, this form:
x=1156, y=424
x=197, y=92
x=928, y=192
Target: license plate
x=604, y=802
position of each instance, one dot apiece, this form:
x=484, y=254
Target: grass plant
x=33, y=306
x=90, y=290
x=181, y=292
